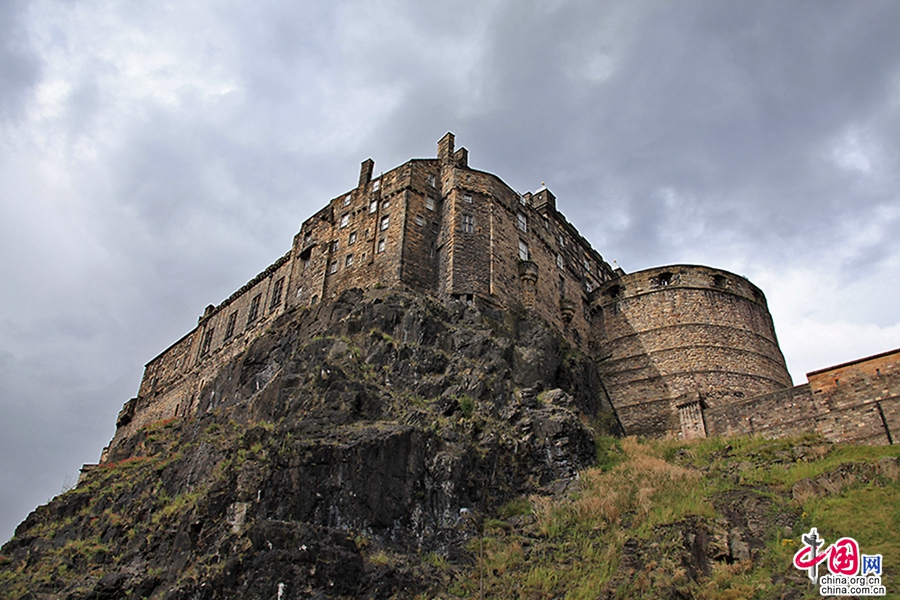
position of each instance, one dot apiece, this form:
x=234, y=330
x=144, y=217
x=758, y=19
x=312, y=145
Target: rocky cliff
x=350, y=431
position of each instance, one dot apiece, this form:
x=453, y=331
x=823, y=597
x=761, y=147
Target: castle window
x=468, y=224
x=307, y=240
x=385, y=205
x=299, y=291
x=587, y=265
x=229, y=326
x=304, y=264
x=665, y=279
x=420, y=220
x=345, y=220
x=207, y=341
x=560, y=262
x=561, y=240
x=334, y=267
x=347, y=200
x=429, y=203
x=254, y=309
x=276, y=293
x=376, y=185
x=588, y=286
x=373, y=206
x=523, y=251
x=467, y=198
x=348, y=261
x=431, y=180
x=385, y=222
x=380, y=245
x=334, y=246
x=719, y=281
x=522, y=223
x=351, y=239
x=314, y=300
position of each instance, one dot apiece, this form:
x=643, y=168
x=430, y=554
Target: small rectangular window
x=560, y=262
x=307, y=240
x=229, y=325
x=254, y=309
x=347, y=199
x=468, y=224
x=276, y=293
x=381, y=245
x=420, y=220
x=348, y=261
x=588, y=286
x=334, y=266
x=385, y=205
x=351, y=239
x=467, y=198
x=373, y=206
x=561, y=240
x=207, y=341
x=431, y=180
x=587, y=265
x=429, y=203
x=345, y=220
x=334, y=246
x=385, y=222
x=376, y=185
x=523, y=251
x=522, y=222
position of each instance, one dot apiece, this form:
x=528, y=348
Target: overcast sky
x=154, y=158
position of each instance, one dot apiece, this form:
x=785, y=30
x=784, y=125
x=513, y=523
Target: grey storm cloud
x=153, y=158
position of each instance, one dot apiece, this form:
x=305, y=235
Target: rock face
x=350, y=434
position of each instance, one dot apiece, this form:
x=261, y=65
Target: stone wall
x=856, y=402
x=673, y=331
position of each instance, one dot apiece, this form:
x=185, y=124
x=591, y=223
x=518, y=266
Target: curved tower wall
x=676, y=339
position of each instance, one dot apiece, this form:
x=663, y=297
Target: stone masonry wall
x=674, y=331
x=857, y=402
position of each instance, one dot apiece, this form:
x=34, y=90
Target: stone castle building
x=682, y=350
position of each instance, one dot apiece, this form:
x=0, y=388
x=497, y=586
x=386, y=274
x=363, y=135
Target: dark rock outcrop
x=325, y=461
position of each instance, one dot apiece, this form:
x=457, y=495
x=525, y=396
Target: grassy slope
x=642, y=490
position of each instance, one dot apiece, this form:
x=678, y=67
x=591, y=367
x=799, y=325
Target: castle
x=682, y=350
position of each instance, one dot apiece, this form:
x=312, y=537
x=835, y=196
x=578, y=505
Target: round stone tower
x=676, y=339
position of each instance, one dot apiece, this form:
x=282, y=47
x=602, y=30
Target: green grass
x=641, y=489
